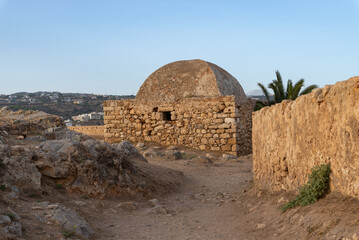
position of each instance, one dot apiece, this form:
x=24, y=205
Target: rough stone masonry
x=191, y=103
x=292, y=137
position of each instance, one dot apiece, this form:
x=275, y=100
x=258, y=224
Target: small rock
x=157, y=210
x=210, y=156
x=14, y=228
x=152, y=154
x=37, y=138
x=53, y=206
x=154, y=202
x=229, y=157
x=5, y=219
x=282, y=199
x=172, y=147
x=16, y=216
x=176, y=155
x=70, y=220
x=259, y=194
x=15, y=189
x=252, y=209
x=129, y=206
x=12, y=195
x=261, y=225
x=141, y=145
x=21, y=137
x=37, y=208
x=44, y=204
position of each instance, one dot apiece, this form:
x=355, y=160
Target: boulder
x=71, y=221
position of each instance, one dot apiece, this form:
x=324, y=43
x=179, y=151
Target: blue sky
x=112, y=46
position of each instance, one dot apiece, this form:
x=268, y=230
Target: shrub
x=59, y=186
x=316, y=187
x=11, y=216
x=68, y=234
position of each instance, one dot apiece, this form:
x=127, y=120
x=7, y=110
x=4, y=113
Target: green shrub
x=68, y=234
x=32, y=195
x=316, y=187
x=59, y=186
x=11, y=216
x=2, y=187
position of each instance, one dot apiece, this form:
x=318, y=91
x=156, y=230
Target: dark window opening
x=155, y=109
x=166, y=116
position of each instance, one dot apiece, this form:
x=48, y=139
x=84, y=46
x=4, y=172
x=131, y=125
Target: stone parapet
x=96, y=131
x=292, y=137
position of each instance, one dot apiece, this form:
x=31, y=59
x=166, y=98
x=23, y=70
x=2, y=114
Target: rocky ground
x=57, y=184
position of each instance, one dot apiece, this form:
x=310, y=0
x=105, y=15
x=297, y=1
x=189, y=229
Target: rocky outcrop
x=48, y=155
x=292, y=137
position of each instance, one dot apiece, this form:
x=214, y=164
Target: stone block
x=229, y=110
x=202, y=147
x=225, y=135
x=232, y=141
x=158, y=128
x=229, y=120
x=220, y=130
x=219, y=120
x=215, y=148
x=226, y=148
x=224, y=125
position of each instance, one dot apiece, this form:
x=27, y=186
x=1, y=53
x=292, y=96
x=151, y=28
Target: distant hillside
x=256, y=92
x=258, y=95
x=61, y=104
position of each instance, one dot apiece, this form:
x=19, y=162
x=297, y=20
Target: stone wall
x=207, y=123
x=292, y=137
x=93, y=131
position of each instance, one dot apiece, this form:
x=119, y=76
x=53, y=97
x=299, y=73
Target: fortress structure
x=191, y=103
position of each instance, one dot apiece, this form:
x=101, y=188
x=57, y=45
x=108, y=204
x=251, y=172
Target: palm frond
x=259, y=105
x=297, y=87
x=277, y=96
x=308, y=89
x=289, y=91
x=279, y=83
x=265, y=92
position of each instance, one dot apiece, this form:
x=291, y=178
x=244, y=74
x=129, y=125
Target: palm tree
x=280, y=93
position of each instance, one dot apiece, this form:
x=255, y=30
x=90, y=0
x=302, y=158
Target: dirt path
x=204, y=208
x=217, y=201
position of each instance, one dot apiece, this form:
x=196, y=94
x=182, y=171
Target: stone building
x=191, y=103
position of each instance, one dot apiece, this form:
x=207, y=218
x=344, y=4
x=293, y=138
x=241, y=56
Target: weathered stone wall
x=292, y=137
x=94, y=131
x=207, y=123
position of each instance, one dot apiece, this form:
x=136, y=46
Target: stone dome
x=189, y=78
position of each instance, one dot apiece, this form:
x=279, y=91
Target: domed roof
x=189, y=78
